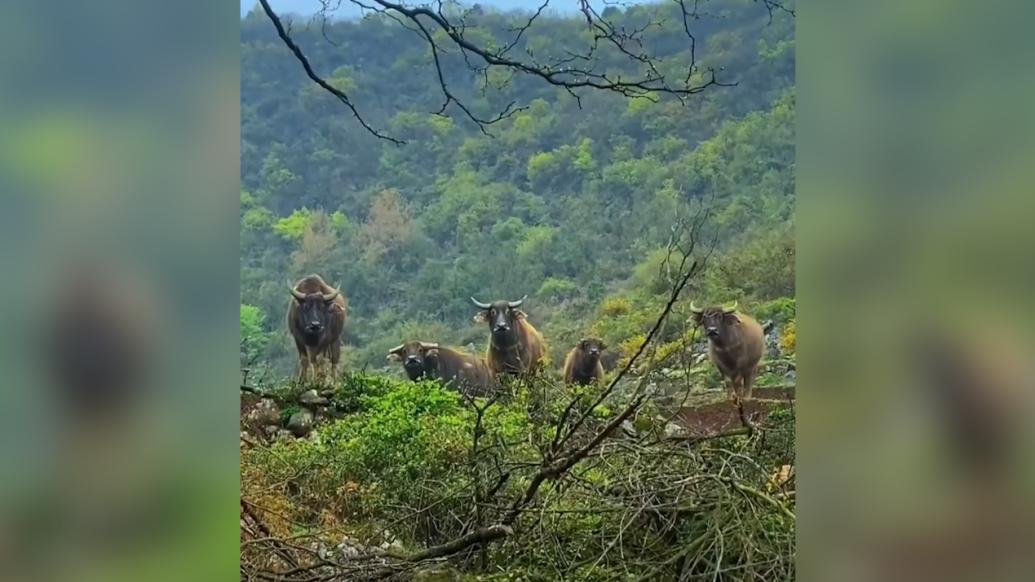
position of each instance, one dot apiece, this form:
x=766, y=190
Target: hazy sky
x=307, y=7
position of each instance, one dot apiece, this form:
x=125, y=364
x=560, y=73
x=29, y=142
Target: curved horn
x=479, y=304
x=297, y=294
x=730, y=309
x=428, y=346
x=397, y=349
x=518, y=302
x=328, y=297
x=695, y=308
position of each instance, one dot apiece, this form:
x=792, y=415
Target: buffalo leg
x=303, y=360
x=731, y=385
x=734, y=386
x=312, y=358
x=749, y=381
x=314, y=363
x=334, y=356
x=303, y=367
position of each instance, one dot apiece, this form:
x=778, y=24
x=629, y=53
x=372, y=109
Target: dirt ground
x=722, y=415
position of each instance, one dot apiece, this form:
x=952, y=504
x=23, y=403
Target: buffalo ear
x=696, y=317
x=520, y=314
x=481, y=317
x=393, y=357
x=736, y=319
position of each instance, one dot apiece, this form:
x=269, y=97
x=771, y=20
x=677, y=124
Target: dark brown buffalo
x=316, y=318
x=515, y=346
x=582, y=366
x=735, y=345
x=458, y=370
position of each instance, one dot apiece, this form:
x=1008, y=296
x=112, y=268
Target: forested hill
x=568, y=204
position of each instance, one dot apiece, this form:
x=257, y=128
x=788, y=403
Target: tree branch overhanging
x=338, y=93
x=578, y=71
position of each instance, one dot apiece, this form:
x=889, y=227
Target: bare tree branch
x=338, y=93
x=572, y=73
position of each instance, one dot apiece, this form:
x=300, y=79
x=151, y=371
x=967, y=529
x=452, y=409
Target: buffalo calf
x=582, y=366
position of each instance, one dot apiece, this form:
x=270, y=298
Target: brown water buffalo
x=735, y=345
x=458, y=370
x=515, y=346
x=316, y=318
x=582, y=366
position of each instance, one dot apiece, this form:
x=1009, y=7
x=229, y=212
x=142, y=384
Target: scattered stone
x=311, y=399
x=301, y=422
x=673, y=430
x=772, y=342
x=628, y=429
x=264, y=413
x=393, y=545
x=348, y=548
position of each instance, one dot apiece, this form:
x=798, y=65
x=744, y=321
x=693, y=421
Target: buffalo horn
x=695, y=308
x=517, y=303
x=428, y=346
x=397, y=349
x=297, y=294
x=479, y=304
x=730, y=309
x=328, y=297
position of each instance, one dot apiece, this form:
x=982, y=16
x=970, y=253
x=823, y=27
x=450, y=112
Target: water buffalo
x=735, y=345
x=515, y=346
x=316, y=318
x=582, y=366
x=458, y=370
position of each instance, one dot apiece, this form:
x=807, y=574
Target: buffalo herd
x=316, y=319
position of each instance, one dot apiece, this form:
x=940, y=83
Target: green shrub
x=402, y=460
x=781, y=310
x=253, y=337
x=615, y=306
x=555, y=288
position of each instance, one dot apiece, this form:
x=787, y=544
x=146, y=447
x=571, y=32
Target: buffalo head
x=715, y=320
x=314, y=310
x=418, y=358
x=592, y=347
x=502, y=318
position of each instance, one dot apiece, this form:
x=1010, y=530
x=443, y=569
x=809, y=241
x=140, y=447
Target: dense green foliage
x=567, y=204
x=402, y=465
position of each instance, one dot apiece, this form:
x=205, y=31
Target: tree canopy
x=566, y=199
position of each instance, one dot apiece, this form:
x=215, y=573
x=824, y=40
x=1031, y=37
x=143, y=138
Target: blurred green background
x=118, y=222
x=916, y=276
x=118, y=149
